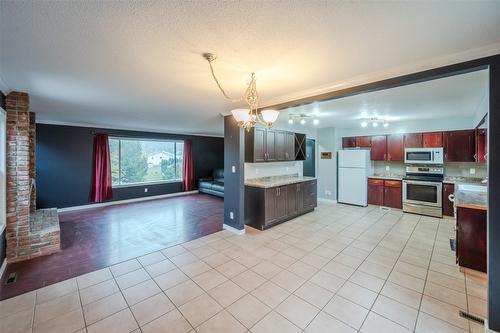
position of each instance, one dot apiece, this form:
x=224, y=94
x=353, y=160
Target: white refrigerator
x=354, y=167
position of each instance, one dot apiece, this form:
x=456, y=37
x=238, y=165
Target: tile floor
x=338, y=269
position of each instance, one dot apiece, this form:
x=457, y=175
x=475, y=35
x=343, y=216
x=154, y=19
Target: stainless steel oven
x=424, y=155
x=422, y=191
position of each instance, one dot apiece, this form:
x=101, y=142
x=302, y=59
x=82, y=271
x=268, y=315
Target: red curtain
x=188, y=167
x=101, y=175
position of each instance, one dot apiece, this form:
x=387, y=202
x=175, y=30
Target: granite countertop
x=462, y=180
x=267, y=182
x=387, y=176
x=471, y=196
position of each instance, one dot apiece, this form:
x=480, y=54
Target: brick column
x=19, y=141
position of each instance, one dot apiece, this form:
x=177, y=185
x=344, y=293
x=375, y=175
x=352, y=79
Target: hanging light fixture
x=374, y=121
x=302, y=118
x=248, y=117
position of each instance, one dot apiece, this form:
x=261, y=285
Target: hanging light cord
x=210, y=58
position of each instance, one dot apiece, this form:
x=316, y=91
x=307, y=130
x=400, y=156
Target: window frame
x=156, y=182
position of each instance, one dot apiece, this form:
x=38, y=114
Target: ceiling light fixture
x=315, y=121
x=374, y=121
x=301, y=118
x=303, y=121
x=246, y=118
x=290, y=121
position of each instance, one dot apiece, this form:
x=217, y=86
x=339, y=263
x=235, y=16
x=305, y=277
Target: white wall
x=326, y=141
x=269, y=169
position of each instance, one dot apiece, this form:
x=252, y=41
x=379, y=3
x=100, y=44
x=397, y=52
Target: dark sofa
x=213, y=185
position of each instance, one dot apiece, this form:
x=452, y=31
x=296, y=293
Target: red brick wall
x=21, y=244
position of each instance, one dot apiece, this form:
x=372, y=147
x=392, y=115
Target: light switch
x=387, y=168
x=472, y=171
x=231, y=215
x=233, y=169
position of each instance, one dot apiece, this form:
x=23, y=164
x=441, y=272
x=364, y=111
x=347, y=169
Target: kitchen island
x=273, y=200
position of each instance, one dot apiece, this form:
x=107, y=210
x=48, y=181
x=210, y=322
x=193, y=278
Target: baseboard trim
x=327, y=200
x=233, y=229
x=2, y=268
x=120, y=202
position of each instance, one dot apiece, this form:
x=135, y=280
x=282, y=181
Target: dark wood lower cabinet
x=386, y=193
x=376, y=192
x=265, y=207
x=471, y=238
x=392, y=194
x=448, y=208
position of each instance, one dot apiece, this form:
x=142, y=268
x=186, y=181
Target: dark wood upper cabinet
x=376, y=192
x=459, y=146
x=448, y=208
x=271, y=145
x=413, y=140
x=481, y=145
x=349, y=142
x=268, y=145
x=280, y=145
x=395, y=147
x=432, y=139
x=471, y=238
x=363, y=142
x=379, y=148
x=392, y=194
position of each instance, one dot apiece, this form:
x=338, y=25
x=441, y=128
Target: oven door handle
x=418, y=182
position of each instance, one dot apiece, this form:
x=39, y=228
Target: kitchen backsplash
x=269, y=169
x=459, y=169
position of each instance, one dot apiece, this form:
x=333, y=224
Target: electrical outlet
x=233, y=169
x=287, y=169
x=145, y=190
x=328, y=193
x=472, y=171
x=387, y=168
x=257, y=171
x=231, y=215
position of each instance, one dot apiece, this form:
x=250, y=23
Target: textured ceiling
x=137, y=64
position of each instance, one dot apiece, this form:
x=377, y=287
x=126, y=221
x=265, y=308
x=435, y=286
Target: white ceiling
x=460, y=96
x=137, y=64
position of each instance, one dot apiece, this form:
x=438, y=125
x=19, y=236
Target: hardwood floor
x=96, y=238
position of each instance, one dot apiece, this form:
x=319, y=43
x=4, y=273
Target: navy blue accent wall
x=234, y=184
x=64, y=164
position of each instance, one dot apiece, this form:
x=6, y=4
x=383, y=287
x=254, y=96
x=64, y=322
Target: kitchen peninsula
x=273, y=200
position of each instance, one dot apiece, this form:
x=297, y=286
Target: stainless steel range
x=422, y=190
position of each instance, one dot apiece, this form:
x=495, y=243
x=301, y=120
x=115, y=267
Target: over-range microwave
x=424, y=155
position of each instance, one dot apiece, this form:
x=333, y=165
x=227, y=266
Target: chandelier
x=250, y=116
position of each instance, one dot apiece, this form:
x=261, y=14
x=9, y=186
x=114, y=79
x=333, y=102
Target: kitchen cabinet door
x=271, y=196
x=279, y=147
x=459, y=146
x=281, y=203
x=291, y=198
x=310, y=195
x=392, y=194
x=289, y=146
x=376, y=192
x=300, y=189
x=259, y=145
x=448, y=208
x=413, y=140
x=432, y=139
x=363, y=142
x=395, y=149
x=471, y=238
x=271, y=145
x=348, y=142
x=481, y=145
x=379, y=148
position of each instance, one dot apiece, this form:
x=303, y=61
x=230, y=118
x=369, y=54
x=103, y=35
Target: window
x=138, y=161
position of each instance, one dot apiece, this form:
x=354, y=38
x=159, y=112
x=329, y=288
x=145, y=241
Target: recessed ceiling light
x=364, y=124
x=375, y=124
x=290, y=121
x=302, y=121
x=315, y=121
x=386, y=124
